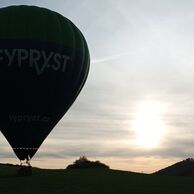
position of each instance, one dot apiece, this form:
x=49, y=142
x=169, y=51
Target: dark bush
x=83, y=162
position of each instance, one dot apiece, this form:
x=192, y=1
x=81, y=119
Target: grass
x=91, y=181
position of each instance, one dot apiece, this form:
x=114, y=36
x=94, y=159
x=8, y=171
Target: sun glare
x=148, y=125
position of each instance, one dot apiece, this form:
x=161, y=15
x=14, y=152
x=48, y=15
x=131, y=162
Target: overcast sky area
x=136, y=111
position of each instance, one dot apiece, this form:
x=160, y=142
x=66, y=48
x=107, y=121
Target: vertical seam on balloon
x=43, y=19
x=88, y=59
x=75, y=34
x=83, y=58
x=26, y=28
x=27, y=34
x=54, y=15
x=9, y=22
x=74, y=93
x=82, y=76
x=69, y=23
x=59, y=26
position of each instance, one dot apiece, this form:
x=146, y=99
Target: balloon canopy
x=44, y=63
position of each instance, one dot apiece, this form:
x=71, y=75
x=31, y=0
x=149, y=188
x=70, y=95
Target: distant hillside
x=183, y=168
x=8, y=164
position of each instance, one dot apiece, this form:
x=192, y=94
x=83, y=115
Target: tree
x=83, y=162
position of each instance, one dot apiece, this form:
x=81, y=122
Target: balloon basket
x=24, y=171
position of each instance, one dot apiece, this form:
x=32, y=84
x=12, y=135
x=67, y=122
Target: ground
x=91, y=181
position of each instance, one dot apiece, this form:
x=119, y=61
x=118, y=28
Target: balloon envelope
x=44, y=63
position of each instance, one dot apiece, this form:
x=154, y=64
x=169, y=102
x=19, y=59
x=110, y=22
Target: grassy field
x=91, y=181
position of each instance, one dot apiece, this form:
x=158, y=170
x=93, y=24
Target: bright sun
x=148, y=126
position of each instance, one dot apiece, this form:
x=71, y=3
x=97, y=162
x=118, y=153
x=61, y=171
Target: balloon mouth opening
x=25, y=154
x=25, y=162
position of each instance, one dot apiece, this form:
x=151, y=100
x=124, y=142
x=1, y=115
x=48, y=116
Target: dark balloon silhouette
x=44, y=63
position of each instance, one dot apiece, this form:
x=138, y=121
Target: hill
x=182, y=168
x=90, y=181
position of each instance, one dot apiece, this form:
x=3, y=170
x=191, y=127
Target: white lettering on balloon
x=29, y=118
x=40, y=60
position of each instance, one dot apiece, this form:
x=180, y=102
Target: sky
x=136, y=110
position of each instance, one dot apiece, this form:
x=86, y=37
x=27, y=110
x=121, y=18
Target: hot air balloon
x=44, y=63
